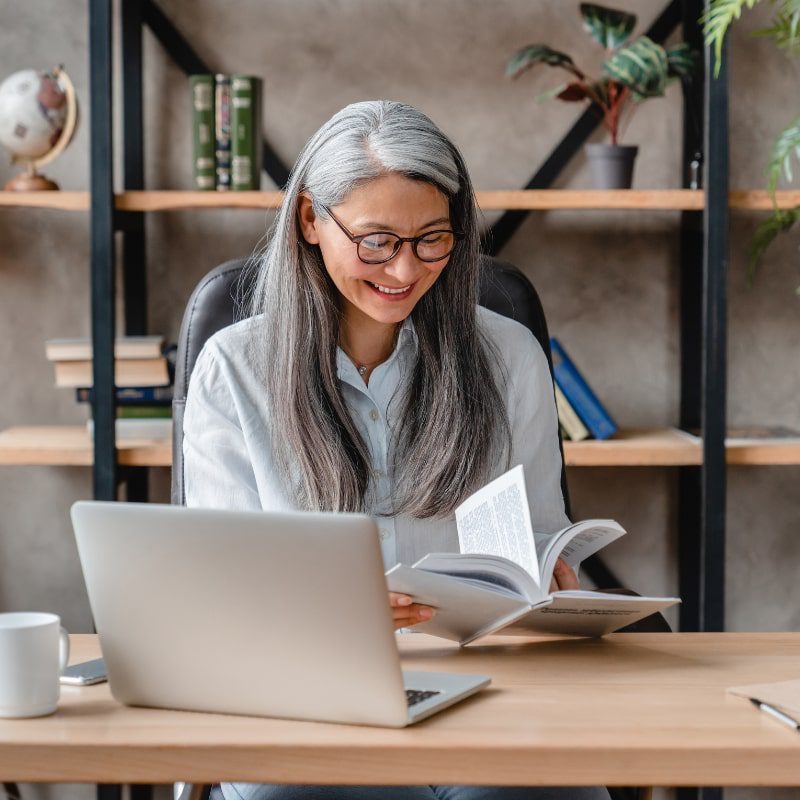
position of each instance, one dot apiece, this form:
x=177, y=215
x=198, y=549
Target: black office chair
x=212, y=307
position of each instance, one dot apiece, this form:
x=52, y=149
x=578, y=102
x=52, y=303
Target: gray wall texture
x=608, y=280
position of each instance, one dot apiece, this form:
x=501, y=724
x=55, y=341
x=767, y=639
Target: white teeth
x=387, y=290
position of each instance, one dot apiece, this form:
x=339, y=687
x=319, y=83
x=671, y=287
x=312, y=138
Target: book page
x=575, y=543
x=493, y=572
x=496, y=520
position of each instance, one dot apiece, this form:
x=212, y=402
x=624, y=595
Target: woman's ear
x=307, y=219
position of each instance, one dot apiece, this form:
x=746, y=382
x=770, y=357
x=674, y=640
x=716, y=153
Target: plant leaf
x=682, y=61
x=551, y=93
x=780, y=221
x=573, y=92
x=716, y=21
x=642, y=67
x=607, y=25
x=780, y=160
x=600, y=90
x=533, y=54
x=785, y=28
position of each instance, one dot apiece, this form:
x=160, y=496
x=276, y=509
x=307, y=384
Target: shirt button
x=374, y=415
x=379, y=473
x=383, y=534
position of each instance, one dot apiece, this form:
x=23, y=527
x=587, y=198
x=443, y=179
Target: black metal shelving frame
x=703, y=273
x=703, y=270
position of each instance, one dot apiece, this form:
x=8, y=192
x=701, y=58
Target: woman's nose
x=405, y=267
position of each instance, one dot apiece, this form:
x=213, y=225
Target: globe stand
x=30, y=181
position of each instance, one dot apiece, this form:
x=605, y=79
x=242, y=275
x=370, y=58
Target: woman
x=366, y=378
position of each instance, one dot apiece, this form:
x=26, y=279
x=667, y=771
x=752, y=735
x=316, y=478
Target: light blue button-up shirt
x=228, y=454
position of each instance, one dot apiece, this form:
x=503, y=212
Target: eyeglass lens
x=378, y=247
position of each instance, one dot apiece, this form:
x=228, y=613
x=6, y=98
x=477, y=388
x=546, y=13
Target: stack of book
x=142, y=376
x=580, y=414
x=226, y=132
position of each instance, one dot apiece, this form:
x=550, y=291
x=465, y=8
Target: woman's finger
x=415, y=611
x=397, y=599
x=564, y=577
x=405, y=617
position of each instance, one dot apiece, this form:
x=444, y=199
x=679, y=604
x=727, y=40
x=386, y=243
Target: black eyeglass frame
x=415, y=240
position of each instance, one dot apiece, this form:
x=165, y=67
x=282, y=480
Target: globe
x=38, y=117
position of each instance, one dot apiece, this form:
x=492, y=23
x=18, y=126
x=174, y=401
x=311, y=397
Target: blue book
x=580, y=396
x=132, y=395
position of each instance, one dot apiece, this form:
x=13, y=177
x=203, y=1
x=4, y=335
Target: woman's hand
x=405, y=612
x=563, y=577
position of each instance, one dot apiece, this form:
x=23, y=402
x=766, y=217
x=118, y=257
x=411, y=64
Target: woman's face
x=391, y=203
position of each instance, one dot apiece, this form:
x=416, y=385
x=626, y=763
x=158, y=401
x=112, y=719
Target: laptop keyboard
x=414, y=696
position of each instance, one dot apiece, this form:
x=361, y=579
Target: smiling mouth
x=391, y=292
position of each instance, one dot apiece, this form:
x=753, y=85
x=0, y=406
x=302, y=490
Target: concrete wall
x=608, y=280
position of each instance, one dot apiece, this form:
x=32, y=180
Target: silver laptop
x=268, y=614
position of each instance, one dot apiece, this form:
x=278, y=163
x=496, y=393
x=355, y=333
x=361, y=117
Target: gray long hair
x=452, y=422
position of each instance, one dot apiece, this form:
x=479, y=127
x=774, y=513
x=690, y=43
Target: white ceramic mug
x=34, y=649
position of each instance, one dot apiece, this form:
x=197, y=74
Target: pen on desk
x=774, y=712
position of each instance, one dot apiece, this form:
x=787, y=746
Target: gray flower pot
x=611, y=165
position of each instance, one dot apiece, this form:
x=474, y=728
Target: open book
x=501, y=578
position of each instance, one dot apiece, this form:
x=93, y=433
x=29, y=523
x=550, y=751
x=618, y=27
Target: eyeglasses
x=381, y=246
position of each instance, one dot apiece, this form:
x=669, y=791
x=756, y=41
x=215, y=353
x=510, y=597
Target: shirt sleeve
x=534, y=437
x=217, y=469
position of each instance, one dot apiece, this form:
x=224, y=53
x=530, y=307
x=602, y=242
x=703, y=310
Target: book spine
x=245, y=175
x=144, y=411
x=575, y=430
x=222, y=131
x=258, y=129
x=132, y=395
x=204, y=166
x=579, y=395
x=140, y=412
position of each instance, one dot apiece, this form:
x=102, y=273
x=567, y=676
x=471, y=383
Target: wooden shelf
x=755, y=452
x=488, y=200
x=552, y=199
x=637, y=447
x=680, y=199
x=70, y=445
x=762, y=201
x=63, y=201
x=177, y=201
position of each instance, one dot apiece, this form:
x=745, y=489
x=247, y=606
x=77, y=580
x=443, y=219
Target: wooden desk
x=631, y=709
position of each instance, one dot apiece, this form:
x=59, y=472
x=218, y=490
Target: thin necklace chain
x=363, y=367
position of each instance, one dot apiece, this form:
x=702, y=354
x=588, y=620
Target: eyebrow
x=384, y=227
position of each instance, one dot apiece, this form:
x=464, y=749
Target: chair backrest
x=212, y=307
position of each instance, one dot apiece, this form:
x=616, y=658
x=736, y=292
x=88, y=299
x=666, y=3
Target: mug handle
x=63, y=648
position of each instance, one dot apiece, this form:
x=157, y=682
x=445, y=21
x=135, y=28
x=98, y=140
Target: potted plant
x=785, y=31
x=630, y=74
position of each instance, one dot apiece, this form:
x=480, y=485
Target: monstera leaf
x=606, y=25
x=534, y=54
x=643, y=67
